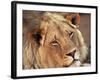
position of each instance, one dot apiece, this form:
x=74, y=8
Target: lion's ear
x=74, y=19
x=34, y=36
x=37, y=36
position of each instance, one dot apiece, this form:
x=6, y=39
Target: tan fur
x=52, y=45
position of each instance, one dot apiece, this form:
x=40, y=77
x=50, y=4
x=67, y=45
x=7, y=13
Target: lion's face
x=53, y=44
x=58, y=48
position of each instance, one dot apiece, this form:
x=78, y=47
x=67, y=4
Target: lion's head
x=57, y=42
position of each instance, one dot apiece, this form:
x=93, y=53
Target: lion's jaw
x=48, y=60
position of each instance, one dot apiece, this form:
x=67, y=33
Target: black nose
x=72, y=53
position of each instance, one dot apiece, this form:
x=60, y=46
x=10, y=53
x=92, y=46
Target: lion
x=56, y=42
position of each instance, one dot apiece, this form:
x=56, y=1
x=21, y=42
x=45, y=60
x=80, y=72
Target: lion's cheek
x=68, y=61
x=46, y=58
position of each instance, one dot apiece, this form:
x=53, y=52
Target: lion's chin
x=75, y=64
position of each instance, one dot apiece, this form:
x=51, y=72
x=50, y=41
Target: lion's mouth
x=74, y=63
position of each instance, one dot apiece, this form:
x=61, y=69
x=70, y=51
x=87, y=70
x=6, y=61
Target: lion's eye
x=71, y=34
x=55, y=43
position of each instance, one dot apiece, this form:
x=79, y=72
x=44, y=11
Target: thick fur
x=53, y=43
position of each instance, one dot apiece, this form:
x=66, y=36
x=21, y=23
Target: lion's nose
x=71, y=53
